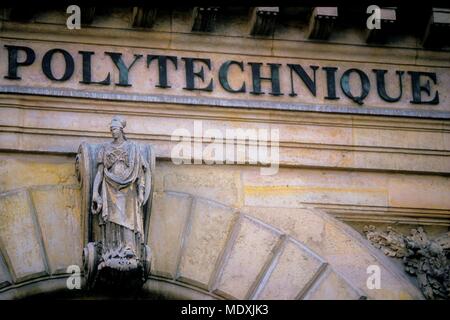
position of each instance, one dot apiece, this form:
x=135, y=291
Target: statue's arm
x=144, y=182
x=98, y=178
x=141, y=185
x=97, y=201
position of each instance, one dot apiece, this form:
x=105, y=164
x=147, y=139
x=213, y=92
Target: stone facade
x=224, y=231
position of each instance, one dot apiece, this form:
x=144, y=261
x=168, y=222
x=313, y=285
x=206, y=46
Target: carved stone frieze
x=427, y=259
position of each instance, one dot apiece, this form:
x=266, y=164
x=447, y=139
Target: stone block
x=349, y=255
x=297, y=222
x=210, y=226
x=20, y=237
x=249, y=255
x=220, y=183
x=17, y=171
x=59, y=215
x=340, y=246
x=419, y=192
x=292, y=188
x=292, y=274
x=331, y=286
x=170, y=212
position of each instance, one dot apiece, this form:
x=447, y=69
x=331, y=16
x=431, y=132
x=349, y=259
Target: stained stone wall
x=224, y=231
x=201, y=240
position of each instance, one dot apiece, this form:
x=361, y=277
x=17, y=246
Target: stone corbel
x=322, y=22
x=438, y=28
x=204, y=18
x=87, y=15
x=143, y=17
x=262, y=21
x=388, y=17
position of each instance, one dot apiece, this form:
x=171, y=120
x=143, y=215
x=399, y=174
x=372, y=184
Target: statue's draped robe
x=123, y=174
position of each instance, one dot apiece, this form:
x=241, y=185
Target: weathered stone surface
x=253, y=265
x=292, y=188
x=296, y=267
x=296, y=222
x=341, y=247
x=18, y=171
x=251, y=251
x=409, y=139
x=59, y=215
x=312, y=140
x=369, y=196
x=351, y=259
x=332, y=287
x=203, y=181
x=381, y=167
x=209, y=230
x=20, y=237
x=170, y=212
x=412, y=191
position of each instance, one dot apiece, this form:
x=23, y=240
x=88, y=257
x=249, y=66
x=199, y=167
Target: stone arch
x=202, y=249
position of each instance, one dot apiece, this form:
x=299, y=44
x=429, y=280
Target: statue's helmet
x=118, y=122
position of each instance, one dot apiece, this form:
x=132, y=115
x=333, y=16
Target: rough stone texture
x=399, y=197
x=203, y=181
x=170, y=212
x=251, y=263
x=208, y=232
x=353, y=256
x=325, y=140
x=332, y=287
x=58, y=212
x=19, y=236
x=291, y=188
x=294, y=270
x=340, y=246
x=407, y=191
x=20, y=170
x=250, y=252
x=359, y=167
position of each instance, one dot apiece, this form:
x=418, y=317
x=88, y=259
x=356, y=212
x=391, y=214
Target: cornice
x=219, y=43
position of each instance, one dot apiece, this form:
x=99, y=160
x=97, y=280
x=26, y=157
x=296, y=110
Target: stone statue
x=117, y=201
